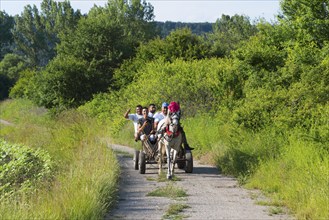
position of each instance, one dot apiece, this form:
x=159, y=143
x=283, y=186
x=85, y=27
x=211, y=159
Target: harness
x=172, y=134
x=169, y=134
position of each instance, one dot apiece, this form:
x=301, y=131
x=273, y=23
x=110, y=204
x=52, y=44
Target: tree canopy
x=308, y=18
x=37, y=33
x=6, y=38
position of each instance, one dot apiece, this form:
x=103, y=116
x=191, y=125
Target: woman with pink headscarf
x=174, y=107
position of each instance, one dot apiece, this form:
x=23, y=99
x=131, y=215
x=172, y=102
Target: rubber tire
x=181, y=164
x=142, y=162
x=189, y=162
x=136, y=159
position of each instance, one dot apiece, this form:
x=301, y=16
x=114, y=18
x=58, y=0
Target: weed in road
x=174, y=211
x=170, y=191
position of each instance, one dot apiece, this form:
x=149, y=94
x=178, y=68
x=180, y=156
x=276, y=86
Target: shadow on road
x=205, y=170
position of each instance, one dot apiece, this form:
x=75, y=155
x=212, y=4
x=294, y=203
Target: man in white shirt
x=134, y=118
x=152, y=109
x=161, y=115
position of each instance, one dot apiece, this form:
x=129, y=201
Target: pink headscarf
x=173, y=107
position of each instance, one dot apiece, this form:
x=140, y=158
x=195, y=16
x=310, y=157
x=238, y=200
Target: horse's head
x=174, y=118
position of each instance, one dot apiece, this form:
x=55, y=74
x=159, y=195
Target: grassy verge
x=291, y=168
x=297, y=179
x=85, y=173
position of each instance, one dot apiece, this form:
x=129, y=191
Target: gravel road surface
x=210, y=194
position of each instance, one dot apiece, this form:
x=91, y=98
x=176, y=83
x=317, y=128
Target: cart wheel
x=142, y=163
x=189, y=162
x=135, y=159
x=180, y=159
x=181, y=164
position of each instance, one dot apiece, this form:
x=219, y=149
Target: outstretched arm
x=126, y=114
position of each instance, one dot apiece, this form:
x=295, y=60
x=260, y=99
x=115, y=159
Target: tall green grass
x=298, y=178
x=291, y=168
x=86, y=174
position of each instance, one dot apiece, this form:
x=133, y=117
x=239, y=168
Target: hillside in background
x=164, y=28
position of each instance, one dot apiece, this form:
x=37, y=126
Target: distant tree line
x=165, y=28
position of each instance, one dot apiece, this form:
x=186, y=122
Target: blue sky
x=177, y=10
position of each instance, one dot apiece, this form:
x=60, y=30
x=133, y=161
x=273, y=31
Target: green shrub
x=22, y=168
x=85, y=180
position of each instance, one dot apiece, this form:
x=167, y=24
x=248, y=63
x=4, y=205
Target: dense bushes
x=22, y=168
x=200, y=86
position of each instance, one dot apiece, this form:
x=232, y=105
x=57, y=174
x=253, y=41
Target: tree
x=30, y=37
x=66, y=82
x=108, y=36
x=58, y=18
x=228, y=32
x=307, y=18
x=11, y=65
x=87, y=55
x=179, y=44
x=6, y=38
x=10, y=68
x=36, y=34
x=165, y=28
x=183, y=44
x=4, y=86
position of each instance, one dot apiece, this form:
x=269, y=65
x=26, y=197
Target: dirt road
x=210, y=194
x=5, y=122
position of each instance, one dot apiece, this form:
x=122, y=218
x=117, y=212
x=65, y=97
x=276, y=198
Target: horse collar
x=170, y=133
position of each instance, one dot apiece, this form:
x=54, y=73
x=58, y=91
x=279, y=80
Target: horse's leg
x=169, y=175
x=173, y=162
x=160, y=157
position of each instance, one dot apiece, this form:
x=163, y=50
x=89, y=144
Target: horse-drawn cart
x=150, y=155
x=167, y=147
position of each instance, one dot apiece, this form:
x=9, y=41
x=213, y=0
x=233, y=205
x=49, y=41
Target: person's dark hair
x=152, y=105
x=139, y=106
x=145, y=108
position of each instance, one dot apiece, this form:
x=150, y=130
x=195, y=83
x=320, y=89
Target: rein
x=172, y=134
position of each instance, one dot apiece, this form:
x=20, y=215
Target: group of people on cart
x=146, y=120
